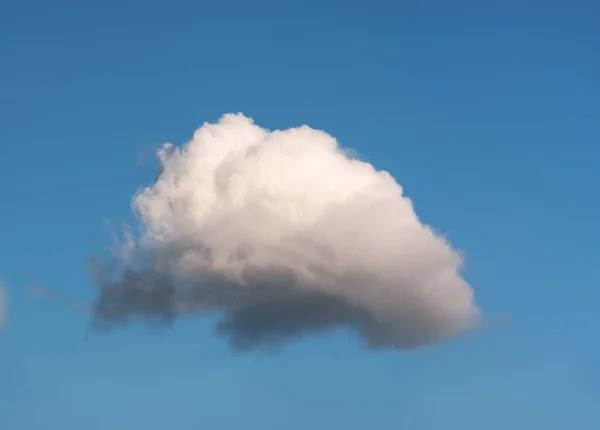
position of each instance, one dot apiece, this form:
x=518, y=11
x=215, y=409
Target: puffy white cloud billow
x=283, y=234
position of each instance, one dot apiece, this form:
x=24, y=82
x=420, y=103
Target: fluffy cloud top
x=282, y=234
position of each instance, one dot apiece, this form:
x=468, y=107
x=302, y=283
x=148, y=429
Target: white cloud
x=333, y=240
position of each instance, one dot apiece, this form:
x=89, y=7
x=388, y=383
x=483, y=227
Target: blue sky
x=486, y=112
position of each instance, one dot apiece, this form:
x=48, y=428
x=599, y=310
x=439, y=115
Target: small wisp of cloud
x=2, y=305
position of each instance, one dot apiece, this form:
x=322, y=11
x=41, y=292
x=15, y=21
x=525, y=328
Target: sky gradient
x=487, y=113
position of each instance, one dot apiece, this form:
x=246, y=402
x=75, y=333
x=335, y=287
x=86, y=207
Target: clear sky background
x=488, y=113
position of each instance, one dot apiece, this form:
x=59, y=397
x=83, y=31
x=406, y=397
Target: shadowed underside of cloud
x=282, y=235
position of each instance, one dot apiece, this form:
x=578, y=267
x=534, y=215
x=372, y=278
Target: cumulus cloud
x=282, y=233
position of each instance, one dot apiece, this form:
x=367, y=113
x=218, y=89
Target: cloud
x=2, y=306
x=282, y=234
